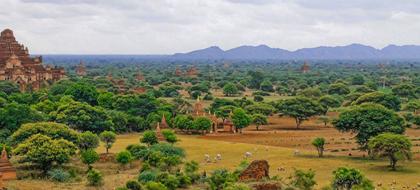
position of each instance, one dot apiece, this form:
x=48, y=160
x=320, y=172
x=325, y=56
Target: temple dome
x=7, y=33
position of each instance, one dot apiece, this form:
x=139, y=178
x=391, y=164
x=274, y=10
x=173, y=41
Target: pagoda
x=305, y=68
x=139, y=76
x=7, y=171
x=192, y=72
x=81, y=69
x=18, y=66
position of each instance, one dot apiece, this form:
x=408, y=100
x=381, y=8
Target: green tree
x=95, y=178
x=357, y=80
x=109, y=138
x=369, y=120
x=88, y=140
x=202, y=124
x=304, y=180
x=50, y=129
x=299, y=108
x=84, y=117
x=44, y=151
x=313, y=93
x=230, y=89
x=349, y=178
x=405, y=91
x=267, y=86
x=328, y=102
x=338, y=88
x=390, y=145
x=388, y=100
x=8, y=87
x=183, y=122
x=259, y=120
x=240, y=119
x=106, y=99
x=83, y=92
x=89, y=157
x=169, y=136
x=149, y=138
x=319, y=143
x=413, y=106
x=124, y=157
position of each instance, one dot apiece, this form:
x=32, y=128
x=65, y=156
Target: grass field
x=232, y=154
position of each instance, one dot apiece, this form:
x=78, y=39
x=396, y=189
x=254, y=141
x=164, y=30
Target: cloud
x=169, y=26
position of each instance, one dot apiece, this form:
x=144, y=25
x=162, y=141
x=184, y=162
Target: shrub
x=89, y=157
x=149, y=137
x=108, y=137
x=169, y=136
x=170, y=181
x=88, y=140
x=59, y=175
x=154, y=186
x=124, y=157
x=258, y=98
x=303, y=180
x=168, y=150
x=147, y=176
x=319, y=143
x=94, y=178
x=347, y=178
x=133, y=185
x=137, y=151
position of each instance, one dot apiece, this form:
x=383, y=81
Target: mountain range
x=352, y=51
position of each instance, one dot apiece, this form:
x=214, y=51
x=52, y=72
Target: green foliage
x=94, y=177
x=349, y=178
x=369, y=120
x=267, y=86
x=8, y=87
x=13, y=115
x=313, y=93
x=89, y=157
x=392, y=146
x=88, y=140
x=405, y=90
x=50, y=129
x=44, y=151
x=299, y=108
x=168, y=150
x=151, y=185
x=412, y=106
x=149, y=138
x=237, y=186
x=388, y=100
x=183, y=122
x=338, y=88
x=241, y=119
x=258, y=98
x=147, y=176
x=137, y=151
x=124, y=157
x=168, y=180
x=259, y=119
x=83, y=92
x=133, y=185
x=202, y=124
x=304, y=180
x=220, y=178
x=319, y=143
x=260, y=108
x=357, y=79
x=84, y=117
x=59, y=175
x=169, y=136
x=106, y=100
x=328, y=102
x=230, y=89
x=109, y=138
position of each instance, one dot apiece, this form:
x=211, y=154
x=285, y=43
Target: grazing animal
x=207, y=158
x=296, y=153
x=248, y=154
x=218, y=157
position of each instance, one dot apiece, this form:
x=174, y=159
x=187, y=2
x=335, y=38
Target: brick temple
x=18, y=66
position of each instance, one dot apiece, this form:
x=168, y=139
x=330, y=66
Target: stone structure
x=192, y=72
x=18, y=66
x=161, y=125
x=81, y=69
x=139, y=76
x=178, y=72
x=256, y=171
x=305, y=68
x=6, y=169
x=118, y=83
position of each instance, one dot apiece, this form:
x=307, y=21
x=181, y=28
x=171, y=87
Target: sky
x=172, y=26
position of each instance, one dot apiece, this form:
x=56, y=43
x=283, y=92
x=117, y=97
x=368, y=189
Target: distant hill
x=352, y=51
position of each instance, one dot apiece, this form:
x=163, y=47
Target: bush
x=89, y=157
x=59, y=175
x=94, y=178
x=133, y=185
x=88, y=140
x=168, y=150
x=149, y=137
x=154, y=186
x=258, y=98
x=137, y=151
x=303, y=180
x=169, y=136
x=147, y=176
x=124, y=157
x=170, y=181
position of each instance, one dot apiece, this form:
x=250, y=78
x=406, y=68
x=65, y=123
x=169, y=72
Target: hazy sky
x=169, y=26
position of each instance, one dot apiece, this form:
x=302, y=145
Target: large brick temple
x=18, y=66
